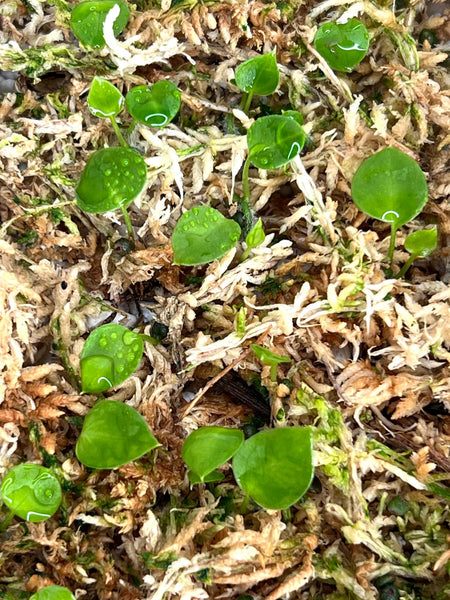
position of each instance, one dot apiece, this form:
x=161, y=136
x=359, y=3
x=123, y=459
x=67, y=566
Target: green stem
x=118, y=132
x=129, y=226
x=406, y=266
x=247, y=102
x=392, y=245
x=245, y=183
x=6, y=521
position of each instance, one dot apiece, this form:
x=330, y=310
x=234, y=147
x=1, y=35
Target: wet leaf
x=390, y=186
x=342, y=45
x=53, y=592
x=207, y=448
x=112, y=178
x=104, y=99
x=87, y=20
x=156, y=105
x=259, y=75
x=31, y=492
x=274, y=467
x=113, y=434
x=274, y=140
x=203, y=234
x=110, y=355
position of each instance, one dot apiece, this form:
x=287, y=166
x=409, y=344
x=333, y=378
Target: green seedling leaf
x=342, y=45
x=256, y=235
x=207, y=448
x=156, y=105
x=293, y=114
x=258, y=75
x=104, y=99
x=201, y=235
x=422, y=243
x=269, y=359
x=274, y=140
x=87, y=21
x=112, y=178
x=110, y=355
x=274, y=467
x=31, y=492
x=210, y=478
x=113, y=434
x=53, y=592
x=391, y=187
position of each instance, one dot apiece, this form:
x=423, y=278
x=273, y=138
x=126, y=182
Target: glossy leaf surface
x=207, y=448
x=156, y=105
x=342, y=45
x=112, y=178
x=390, y=186
x=31, y=492
x=274, y=140
x=104, y=99
x=203, y=234
x=422, y=243
x=53, y=592
x=259, y=75
x=274, y=467
x=87, y=20
x=256, y=235
x=110, y=355
x=113, y=434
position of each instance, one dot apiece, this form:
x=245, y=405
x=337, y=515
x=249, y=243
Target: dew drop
x=195, y=211
x=215, y=218
x=126, y=173
x=125, y=162
x=120, y=368
x=263, y=161
x=103, y=342
x=137, y=160
x=192, y=223
x=135, y=347
x=107, y=172
x=185, y=228
x=128, y=338
x=114, y=335
x=120, y=355
x=130, y=356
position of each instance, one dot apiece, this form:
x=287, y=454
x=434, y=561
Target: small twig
x=215, y=379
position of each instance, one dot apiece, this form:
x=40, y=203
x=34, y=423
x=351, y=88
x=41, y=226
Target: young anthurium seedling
x=87, y=20
x=112, y=179
x=203, y=234
x=53, y=592
x=269, y=359
x=110, y=355
x=390, y=186
x=113, y=434
x=105, y=101
x=419, y=244
x=154, y=106
x=342, y=45
x=207, y=448
x=259, y=75
x=274, y=467
x=254, y=238
x=31, y=492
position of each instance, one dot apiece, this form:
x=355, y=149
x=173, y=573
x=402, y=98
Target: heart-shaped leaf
x=422, y=243
x=112, y=178
x=53, y=592
x=342, y=45
x=104, y=99
x=31, y=492
x=274, y=140
x=156, y=105
x=259, y=75
x=201, y=235
x=274, y=467
x=207, y=448
x=391, y=187
x=113, y=434
x=110, y=355
x=87, y=20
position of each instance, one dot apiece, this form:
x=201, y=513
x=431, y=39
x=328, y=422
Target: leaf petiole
x=406, y=266
x=392, y=244
x=128, y=224
x=245, y=183
x=246, y=101
x=118, y=132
